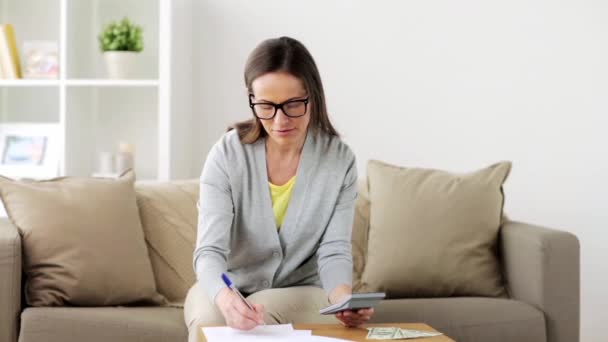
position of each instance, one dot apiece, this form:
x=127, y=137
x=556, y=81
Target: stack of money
x=392, y=333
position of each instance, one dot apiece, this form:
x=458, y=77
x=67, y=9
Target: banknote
x=384, y=333
x=394, y=333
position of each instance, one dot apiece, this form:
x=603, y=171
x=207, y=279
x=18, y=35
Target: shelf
x=86, y=20
x=29, y=83
x=79, y=83
x=96, y=122
x=94, y=113
x=29, y=105
x=32, y=19
x=112, y=83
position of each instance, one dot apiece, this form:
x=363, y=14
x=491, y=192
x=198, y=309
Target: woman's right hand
x=236, y=313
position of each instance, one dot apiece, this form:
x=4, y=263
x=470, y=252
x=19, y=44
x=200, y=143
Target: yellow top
x=280, y=195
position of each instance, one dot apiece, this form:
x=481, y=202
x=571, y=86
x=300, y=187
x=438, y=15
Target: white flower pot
x=121, y=64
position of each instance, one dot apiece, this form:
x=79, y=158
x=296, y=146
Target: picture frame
x=29, y=151
x=40, y=59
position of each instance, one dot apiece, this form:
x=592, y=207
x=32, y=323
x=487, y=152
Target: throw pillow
x=82, y=240
x=434, y=233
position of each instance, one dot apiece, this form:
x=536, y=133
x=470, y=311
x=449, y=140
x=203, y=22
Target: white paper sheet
x=263, y=333
x=312, y=338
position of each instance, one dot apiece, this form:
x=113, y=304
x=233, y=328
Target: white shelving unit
x=94, y=114
x=28, y=83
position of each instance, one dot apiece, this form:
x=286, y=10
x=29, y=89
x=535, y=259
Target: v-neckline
x=298, y=193
x=284, y=184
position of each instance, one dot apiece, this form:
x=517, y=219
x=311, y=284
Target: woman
x=277, y=198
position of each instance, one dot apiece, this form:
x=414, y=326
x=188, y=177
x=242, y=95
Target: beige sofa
x=540, y=267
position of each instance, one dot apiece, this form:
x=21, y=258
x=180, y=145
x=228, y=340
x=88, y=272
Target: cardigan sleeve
x=215, y=215
x=334, y=255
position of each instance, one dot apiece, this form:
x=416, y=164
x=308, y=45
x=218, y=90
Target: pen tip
x=226, y=280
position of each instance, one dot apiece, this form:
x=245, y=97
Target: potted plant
x=120, y=43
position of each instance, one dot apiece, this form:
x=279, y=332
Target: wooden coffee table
x=357, y=334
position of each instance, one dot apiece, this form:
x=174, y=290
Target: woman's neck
x=282, y=161
x=284, y=151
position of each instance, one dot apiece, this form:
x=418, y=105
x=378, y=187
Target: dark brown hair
x=288, y=55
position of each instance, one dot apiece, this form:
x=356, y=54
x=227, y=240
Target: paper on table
x=306, y=338
x=301, y=333
x=262, y=333
x=234, y=335
x=323, y=339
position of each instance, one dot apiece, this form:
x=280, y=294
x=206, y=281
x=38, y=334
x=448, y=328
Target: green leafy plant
x=121, y=36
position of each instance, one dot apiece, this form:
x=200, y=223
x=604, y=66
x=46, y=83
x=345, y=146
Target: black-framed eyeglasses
x=268, y=110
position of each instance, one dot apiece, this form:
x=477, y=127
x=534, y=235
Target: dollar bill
x=393, y=333
x=410, y=333
x=387, y=333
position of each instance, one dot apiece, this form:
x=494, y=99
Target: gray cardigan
x=237, y=231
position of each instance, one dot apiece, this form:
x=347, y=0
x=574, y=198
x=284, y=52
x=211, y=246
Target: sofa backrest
x=168, y=212
x=169, y=218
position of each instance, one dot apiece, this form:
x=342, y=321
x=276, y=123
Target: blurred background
x=454, y=85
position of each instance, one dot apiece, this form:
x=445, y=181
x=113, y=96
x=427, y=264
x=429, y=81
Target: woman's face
x=282, y=88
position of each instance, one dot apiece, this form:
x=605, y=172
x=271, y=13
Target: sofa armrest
x=542, y=268
x=10, y=281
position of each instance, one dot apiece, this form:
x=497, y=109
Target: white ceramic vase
x=121, y=64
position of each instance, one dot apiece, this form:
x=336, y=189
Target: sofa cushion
x=116, y=324
x=432, y=233
x=169, y=217
x=359, y=234
x=468, y=318
x=82, y=240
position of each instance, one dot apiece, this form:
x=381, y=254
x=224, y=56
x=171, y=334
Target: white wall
x=182, y=78
x=447, y=84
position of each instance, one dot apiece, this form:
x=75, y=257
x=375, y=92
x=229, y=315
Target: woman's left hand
x=354, y=318
x=349, y=318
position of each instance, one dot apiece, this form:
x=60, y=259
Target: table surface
x=357, y=334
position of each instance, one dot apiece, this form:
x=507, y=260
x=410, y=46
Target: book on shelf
x=9, y=56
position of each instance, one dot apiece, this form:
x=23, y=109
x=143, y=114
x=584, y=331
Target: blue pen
x=235, y=290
